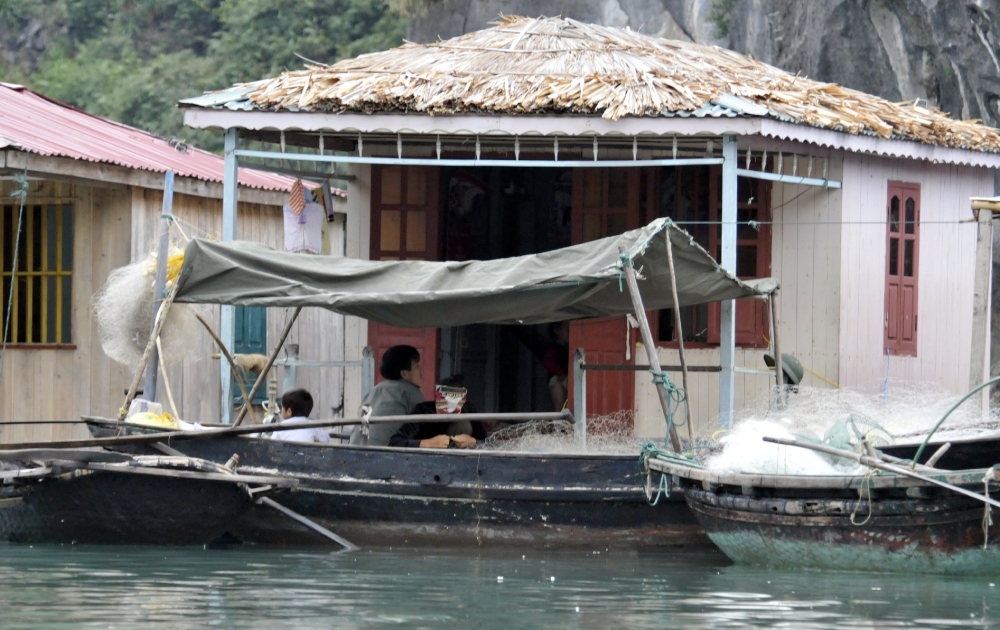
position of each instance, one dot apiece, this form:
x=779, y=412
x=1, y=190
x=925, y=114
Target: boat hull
x=95, y=507
x=377, y=496
x=940, y=535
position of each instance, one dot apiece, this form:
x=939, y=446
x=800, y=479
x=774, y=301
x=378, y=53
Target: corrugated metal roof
x=36, y=124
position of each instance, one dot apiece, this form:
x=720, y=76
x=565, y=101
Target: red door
x=605, y=203
x=404, y=226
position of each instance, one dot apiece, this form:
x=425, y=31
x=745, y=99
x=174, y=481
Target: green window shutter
x=251, y=338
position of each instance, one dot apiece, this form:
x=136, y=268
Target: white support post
x=227, y=323
x=727, y=325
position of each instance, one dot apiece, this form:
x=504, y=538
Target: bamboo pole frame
x=680, y=330
x=650, y=346
x=248, y=400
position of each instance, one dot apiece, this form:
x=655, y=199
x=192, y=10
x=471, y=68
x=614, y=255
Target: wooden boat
x=896, y=523
x=382, y=496
x=964, y=454
x=96, y=497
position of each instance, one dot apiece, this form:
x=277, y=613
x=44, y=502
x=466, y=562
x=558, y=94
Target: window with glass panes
x=901, y=268
x=40, y=290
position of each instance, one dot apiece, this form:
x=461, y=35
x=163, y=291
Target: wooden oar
x=171, y=436
x=316, y=527
x=872, y=462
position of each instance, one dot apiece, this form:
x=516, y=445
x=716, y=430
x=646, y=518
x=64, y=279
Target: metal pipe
x=401, y=161
x=580, y=396
x=160, y=282
x=788, y=179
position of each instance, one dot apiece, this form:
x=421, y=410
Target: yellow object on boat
x=160, y=421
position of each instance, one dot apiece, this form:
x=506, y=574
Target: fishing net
x=900, y=413
x=123, y=310
x=610, y=434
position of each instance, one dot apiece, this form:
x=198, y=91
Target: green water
x=120, y=587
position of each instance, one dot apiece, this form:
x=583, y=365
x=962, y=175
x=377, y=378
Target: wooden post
x=248, y=401
x=161, y=278
x=679, y=329
x=230, y=205
x=779, y=371
x=981, y=297
x=650, y=345
x=580, y=397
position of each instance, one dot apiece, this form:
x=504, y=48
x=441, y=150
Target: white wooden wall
x=319, y=333
x=947, y=255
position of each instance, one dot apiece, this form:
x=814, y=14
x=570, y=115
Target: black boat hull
x=378, y=496
x=95, y=507
x=966, y=454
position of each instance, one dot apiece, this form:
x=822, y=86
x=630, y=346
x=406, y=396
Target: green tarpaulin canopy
x=570, y=283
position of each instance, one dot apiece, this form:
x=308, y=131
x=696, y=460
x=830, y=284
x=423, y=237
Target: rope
x=987, y=508
x=662, y=490
x=21, y=194
x=675, y=396
x=865, y=487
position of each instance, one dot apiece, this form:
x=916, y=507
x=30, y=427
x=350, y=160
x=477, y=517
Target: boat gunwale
x=477, y=452
x=818, y=482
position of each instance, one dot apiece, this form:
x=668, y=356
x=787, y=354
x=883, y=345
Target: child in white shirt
x=296, y=406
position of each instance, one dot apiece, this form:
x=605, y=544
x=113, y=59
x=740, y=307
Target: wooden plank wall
x=805, y=258
x=65, y=383
x=947, y=255
x=195, y=381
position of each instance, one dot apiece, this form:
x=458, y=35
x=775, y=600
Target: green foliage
x=721, y=15
x=132, y=60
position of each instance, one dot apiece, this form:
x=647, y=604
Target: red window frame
x=902, y=268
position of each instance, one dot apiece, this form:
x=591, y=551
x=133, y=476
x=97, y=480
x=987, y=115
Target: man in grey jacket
x=397, y=395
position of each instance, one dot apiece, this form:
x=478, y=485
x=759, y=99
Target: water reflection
x=79, y=587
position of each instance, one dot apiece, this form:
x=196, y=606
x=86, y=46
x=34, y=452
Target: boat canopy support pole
x=650, y=346
x=727, y=324
x=580, y=396
x=248, y=400
x=227, y=320
x=679, y=331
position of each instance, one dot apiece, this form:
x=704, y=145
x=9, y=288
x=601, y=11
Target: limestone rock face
x=946, y=52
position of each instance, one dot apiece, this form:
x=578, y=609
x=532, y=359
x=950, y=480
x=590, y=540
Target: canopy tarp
x=570, y=283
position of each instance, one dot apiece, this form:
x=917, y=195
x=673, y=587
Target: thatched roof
x=561, y=66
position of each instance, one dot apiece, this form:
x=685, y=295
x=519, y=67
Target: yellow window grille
x=42, y=294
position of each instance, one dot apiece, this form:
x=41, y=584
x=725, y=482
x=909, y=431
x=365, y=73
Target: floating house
x=94, y=198
x=540, y=133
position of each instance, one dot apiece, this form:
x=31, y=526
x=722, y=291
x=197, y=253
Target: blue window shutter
x=251, y=338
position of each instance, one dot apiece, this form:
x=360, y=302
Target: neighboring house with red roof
x=95, y=194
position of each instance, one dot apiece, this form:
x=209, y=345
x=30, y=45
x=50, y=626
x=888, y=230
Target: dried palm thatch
x=558, y=65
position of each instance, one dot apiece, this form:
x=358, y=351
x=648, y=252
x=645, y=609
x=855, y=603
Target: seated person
x=459, y=433
x=296, y=406
x=395, y=396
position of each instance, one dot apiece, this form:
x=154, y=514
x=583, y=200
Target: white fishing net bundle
x=901, y=413
x=610, y=434
x=123, y=310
